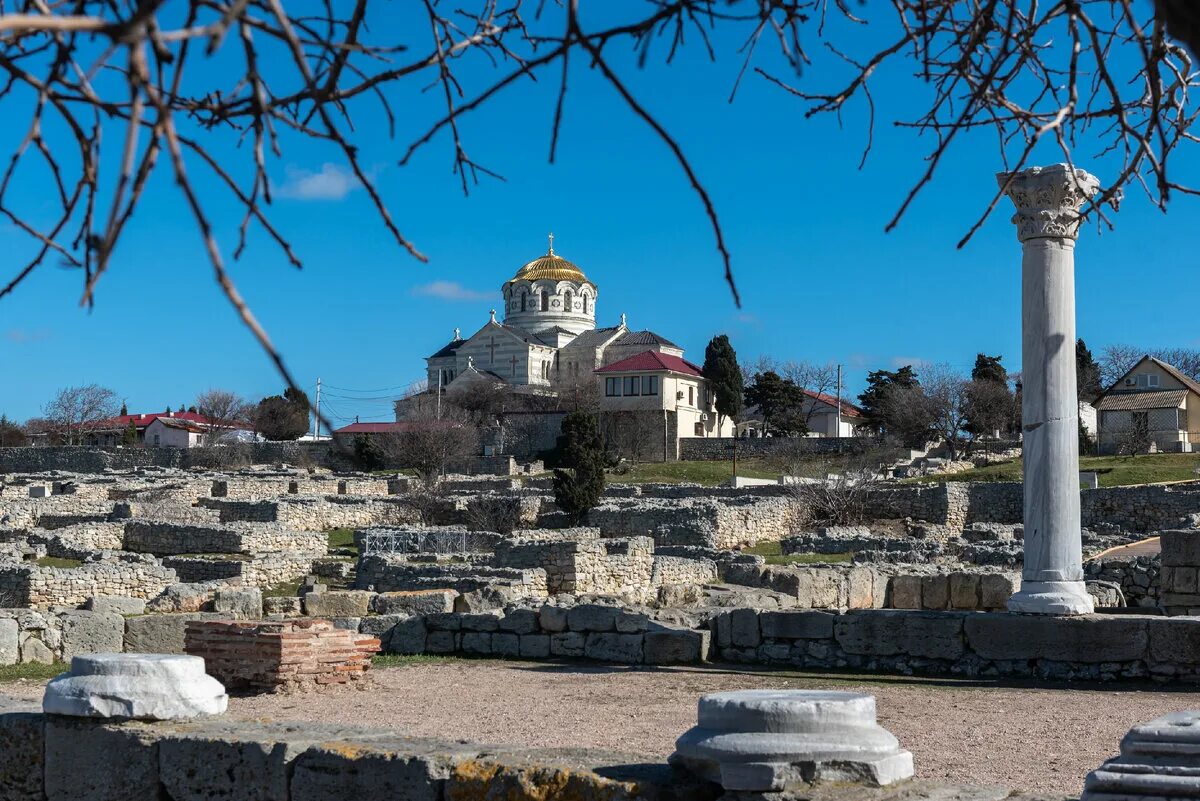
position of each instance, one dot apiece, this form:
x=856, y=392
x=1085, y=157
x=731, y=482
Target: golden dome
x=550, y=267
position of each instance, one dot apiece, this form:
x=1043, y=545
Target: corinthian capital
x=1048, y=199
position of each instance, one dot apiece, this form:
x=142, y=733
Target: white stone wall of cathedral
x=533, y=318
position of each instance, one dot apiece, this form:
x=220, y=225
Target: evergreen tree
x=11, y=434
x=282, y=417
x=880, y=385
x=1087, y=373
x=989, y=368
x=130, y=438
x=576, y=491
x=722, y=371
x=124, y=410
x=780, y=401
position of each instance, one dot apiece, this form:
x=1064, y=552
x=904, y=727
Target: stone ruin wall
x=25, y=584
x=314, y=514
x=151, y=536
x=695, y=522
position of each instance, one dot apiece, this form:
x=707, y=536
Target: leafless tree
x=224, y=410
x=949, y=402
x=813, y=379
x=632, y=434
x=109, y=93
x=75, y=410
x=431, y=445
x=1117, y=360
x=836, y=500
x=494, y=511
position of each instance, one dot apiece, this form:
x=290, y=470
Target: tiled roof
x=449, y=348
x=140, y=421
x=644, y=338
x=183, y=425
x=1130, y=401
x=590, y=339
x=390, y=428
x=652, y=361
x=848, y=409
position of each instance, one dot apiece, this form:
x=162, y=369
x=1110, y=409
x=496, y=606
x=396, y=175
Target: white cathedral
x=548, y=341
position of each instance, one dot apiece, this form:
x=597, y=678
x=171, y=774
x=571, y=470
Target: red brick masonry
x=273, y=654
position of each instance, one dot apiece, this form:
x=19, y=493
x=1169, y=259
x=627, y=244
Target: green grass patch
x=773, y=553
x=342, y=538
x=707, y=473
x=409, y=660
x=56, y=561
x=31, y=671
x=284, y=589
x=1114, y=471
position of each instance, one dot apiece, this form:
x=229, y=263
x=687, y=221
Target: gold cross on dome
x=551, y=243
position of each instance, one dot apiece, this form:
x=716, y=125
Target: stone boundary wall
x=26, y=584
x=315, y=513
x=1088, y=647
x=55, y=758
x=725, y=523
x=711, y=449
x=1138, y=577
x=262, y=570
x=72, y=459
x=162, y=538
x=395, y=574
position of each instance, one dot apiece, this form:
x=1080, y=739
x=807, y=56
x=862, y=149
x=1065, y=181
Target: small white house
x=171, y=432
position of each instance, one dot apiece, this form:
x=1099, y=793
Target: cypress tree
x=722, y=371
x=576, y=491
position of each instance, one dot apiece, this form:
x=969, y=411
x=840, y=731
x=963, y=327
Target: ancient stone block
x=743, y=628
x=91, y=633
x=423, y=602
x=906, y=592
x=592, y=617
x=535, y=646
x=1084, y=638
x=890, y=632
x=441, y=642
x=338, y=603
x=288, y=605
x=964, y=591
x=631, y=622
x=860, y=588
x=613, y=647
x=116, y=604
x=567, y=643
x=806, y=624
x=1174, y=640
x=506, y=644
x=935, y=592
x=374, y=768
x=995, y=589
x=520, y=621
x=1184, y=580
x=34, y=650
x=122, y=761
x=1180, y=548
x=10, y=642
x=480, y=621
x=408, y=636
x=664, y=646
x=444, y=621
x=553, y=618
x=157, y=634
x=239, y=604
x=228, y=760
x=478, y=643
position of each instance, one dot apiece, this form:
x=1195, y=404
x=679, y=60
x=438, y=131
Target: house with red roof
x=161, y=429
x=658, y=398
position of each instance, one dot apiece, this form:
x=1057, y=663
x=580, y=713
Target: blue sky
x=819, y=278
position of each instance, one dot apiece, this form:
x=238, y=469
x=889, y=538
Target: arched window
x=524, y=299
x=567, y=300
x=585, y=301
x=545, y=300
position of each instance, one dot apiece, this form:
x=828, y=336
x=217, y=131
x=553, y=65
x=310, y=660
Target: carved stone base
x=140, y=686
x=1052, y=598
x=1159, y=760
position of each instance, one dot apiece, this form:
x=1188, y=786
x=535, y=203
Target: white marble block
x=773, y=740
x=1158, y=760
x=142, y=686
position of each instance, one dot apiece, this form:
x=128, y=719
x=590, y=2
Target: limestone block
x=906, y=592
x=338, y=603
x=380, y=627
x=567, y=643
x=1174, y=640
x=478, y=643
x=288, y=605
x=375, y=768
x=10, y=642
x=157, y=634
x=743, y=628
x=996, y=588
x=22, y=743
x=723, y=630
x=613, y=647
x=553, y=618
x=806, y=624
x=1184, y=579
x=631, y=622
x=592, y=617
x=889, y=632
x=860, y=588
x=142, y=686
x=480, y=621
x=181, y=598
x=506, y=644
x=1157, y=761
x=347, y=623
x=1180, y=548
x=116, y=604
x=520, y=621
x=34, y=650
x=447, y=621
x=233, y=760
x=671, y=646
x=535, y=646
x=964, y=591
x=239, y=604
x=781, y=740
x=409, y=636
x=819, y=588
x=121, y=761
x=91, y=633
x=1085, y=638
x=441, y=642
x=935, y=592
x=422, y=602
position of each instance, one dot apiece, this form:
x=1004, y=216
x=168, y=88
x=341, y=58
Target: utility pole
x=318, y=413
x=837, y=432
x=439, y=394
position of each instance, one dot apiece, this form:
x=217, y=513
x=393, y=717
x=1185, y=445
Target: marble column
x=1048, y=201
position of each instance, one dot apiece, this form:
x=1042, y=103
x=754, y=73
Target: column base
x=1052, y=598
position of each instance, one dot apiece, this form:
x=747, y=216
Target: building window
x=650, y=385
x=524, y=300
x=156, y=439
x=585, y=304
x=612, y=387
x=633, y=385
x=698, y=429
x=568, y=299
x=691, y=395
x=545, y=300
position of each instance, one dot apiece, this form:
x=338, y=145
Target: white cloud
x=21, y=337
x=333, y=182
x=450, y=290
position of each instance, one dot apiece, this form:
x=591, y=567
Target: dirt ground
x=1042, y=739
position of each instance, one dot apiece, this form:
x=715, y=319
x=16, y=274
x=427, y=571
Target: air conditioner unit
x=703, y=417
x=1131, y=382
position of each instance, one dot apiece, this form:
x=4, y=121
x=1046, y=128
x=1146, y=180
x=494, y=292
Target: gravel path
x=1034, y=739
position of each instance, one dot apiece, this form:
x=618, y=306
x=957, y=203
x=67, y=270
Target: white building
x=172, y=432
